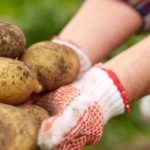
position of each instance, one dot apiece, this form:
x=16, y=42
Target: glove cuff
x=85, y=62
x=115, y=101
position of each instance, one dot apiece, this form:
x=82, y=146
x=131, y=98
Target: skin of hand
x=133, y=69
x=100, y=26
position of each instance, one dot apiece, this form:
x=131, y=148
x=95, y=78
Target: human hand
x=85, y=64
x=81, y=110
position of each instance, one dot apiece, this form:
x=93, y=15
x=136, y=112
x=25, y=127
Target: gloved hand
x=80, y=110
x=85, y=62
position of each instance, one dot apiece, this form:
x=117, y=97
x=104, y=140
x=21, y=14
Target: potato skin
x=37, y=112
x=18, y=131
x=17, y=81
x=12, y=40
x=55, y=64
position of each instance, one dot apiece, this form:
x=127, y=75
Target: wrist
x=115, y=101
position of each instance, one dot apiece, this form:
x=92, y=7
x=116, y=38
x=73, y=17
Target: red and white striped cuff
x=113, y=96
x=119, y=86
x=85, y=62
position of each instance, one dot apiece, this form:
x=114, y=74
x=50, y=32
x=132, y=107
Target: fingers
x=55, y=102
x=58, y=129
x=73, y=144
x=46, y=102
x=33, y=98
x=75, y=127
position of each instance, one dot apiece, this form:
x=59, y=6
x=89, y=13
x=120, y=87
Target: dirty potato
x=37, y=112
x=12, y=40
x=17, y=81
x=18, y=131
x=55, y=64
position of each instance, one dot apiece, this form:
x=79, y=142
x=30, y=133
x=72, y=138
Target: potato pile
x=55, y=64
x=17, y=81
x=12, y=40
x=18, y=131
x=19, y=127
x=36, y=112
x=43, y=67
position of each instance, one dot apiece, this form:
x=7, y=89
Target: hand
x=85, y=65
x=81, y=109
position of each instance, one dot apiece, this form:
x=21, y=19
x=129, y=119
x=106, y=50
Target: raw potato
x=17, y=81
x=55, y=64
x=18, y=131
x=12, y=40
x=37, y=112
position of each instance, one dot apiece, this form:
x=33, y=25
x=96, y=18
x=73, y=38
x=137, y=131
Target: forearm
x=101, y=26
x=133, y=69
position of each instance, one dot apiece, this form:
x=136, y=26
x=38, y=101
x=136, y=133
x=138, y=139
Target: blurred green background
x=42, y=19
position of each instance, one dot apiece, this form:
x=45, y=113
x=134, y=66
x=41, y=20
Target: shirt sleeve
x=143, y=7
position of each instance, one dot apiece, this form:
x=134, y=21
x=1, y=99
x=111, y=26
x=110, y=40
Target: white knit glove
x=85, y=62
x=81, y=109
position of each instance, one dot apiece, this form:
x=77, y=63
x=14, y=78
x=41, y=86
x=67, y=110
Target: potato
x=37, y=112
x=55, y=64
x=17, y=81
x=12, y=40
x=18, y=131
